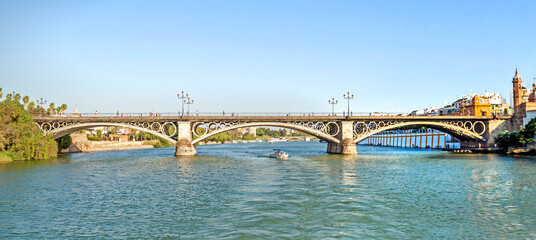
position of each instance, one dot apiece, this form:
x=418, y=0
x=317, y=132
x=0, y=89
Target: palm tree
x=9, y=96
x=16, y=97
x=1, y=94
x=26, y=100
x=58, y=110
x=51, y=109
x=63, y=108
x=31, y=106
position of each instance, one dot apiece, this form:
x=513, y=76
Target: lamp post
x=189, y=102
x=181, y=97
x=348, y=96
x=42, y=102
x=333, y=102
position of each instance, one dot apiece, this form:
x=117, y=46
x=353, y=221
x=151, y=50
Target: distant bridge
x=340, y=132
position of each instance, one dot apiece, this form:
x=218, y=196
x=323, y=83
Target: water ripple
x=229, y=192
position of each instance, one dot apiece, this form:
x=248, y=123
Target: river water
x=229, y=192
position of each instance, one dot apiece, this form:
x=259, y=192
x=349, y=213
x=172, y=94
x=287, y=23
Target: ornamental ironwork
x=168, y=129
x=362, y=128
x=200, y=129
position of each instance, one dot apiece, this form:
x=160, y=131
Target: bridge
x=342, y=133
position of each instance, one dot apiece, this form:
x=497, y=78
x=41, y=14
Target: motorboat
x=280, y=154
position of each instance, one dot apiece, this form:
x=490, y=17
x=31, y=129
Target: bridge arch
x=66, y=130
x=456, y=131
x=324, y=136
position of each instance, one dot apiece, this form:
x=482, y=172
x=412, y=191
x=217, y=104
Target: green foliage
x=4, y=157
x=260, y=132
x=51, y=109
x=20, y=137
x=26, y=100
x=64, y=142
x=248, y=136
x=506, y=140
x=144, y=136
x=221, y=138
x=93, y=138
x=160, y=143
x=269, y=133
x=529, y=131
x=36, y=110
x=515, y=139
x=99, y=133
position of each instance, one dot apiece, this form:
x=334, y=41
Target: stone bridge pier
x=184, y=140
x=346, y=137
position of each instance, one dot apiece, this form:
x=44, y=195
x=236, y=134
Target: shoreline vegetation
x=20, y=138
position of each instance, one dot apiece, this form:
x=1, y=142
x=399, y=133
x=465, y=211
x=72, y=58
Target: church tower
x=519, y=106
x=518, y=91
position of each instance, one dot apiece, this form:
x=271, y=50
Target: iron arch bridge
x=341, y=133
x=463, y=130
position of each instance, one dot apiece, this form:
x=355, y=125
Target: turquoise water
x=228, y=192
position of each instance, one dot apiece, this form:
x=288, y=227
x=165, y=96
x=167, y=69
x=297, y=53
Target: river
x=229, y=192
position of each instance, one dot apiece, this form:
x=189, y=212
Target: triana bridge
x=342, y=133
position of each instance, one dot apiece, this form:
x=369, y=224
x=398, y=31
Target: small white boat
x=280, y=154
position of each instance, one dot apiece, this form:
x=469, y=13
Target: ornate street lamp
x=181, y=98
x=43, y=102
x=333, y=102
x=348, y=96
x=189, y=102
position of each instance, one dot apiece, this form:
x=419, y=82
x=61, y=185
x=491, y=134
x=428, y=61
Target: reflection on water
x=228, y=191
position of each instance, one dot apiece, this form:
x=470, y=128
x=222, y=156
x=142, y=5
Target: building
x=487, y=104
x=252, y=131
x=475, y=106
x=118, y=138
x=524, y=102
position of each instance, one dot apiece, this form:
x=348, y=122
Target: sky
x=264, y=56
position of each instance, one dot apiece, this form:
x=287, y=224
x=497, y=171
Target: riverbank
x=100, y=146
x=4, y=157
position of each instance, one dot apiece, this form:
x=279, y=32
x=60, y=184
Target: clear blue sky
x=264, y=55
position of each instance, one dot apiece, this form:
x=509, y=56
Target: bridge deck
x=257, y=118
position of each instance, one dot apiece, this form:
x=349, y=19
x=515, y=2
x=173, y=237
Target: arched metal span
x=455, y=131
x=316, y=133
x=62, y=131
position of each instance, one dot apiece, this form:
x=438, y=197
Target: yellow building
x=475, y=106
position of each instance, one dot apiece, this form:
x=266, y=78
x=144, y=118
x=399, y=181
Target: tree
x=26, y=100
x=58, y=110
x=1, y=93
x=506, y=140
x=529, y=131
x=20, y=138
x=64, y=142
x=16, y=96
x=260, y=132
x=9, y=96
x=51, y=109
x=63, y=108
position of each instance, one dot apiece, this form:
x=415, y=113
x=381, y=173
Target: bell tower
x=519, y=106
x=518, y=90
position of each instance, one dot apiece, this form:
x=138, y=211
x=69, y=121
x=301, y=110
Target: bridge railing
x=227, y=114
